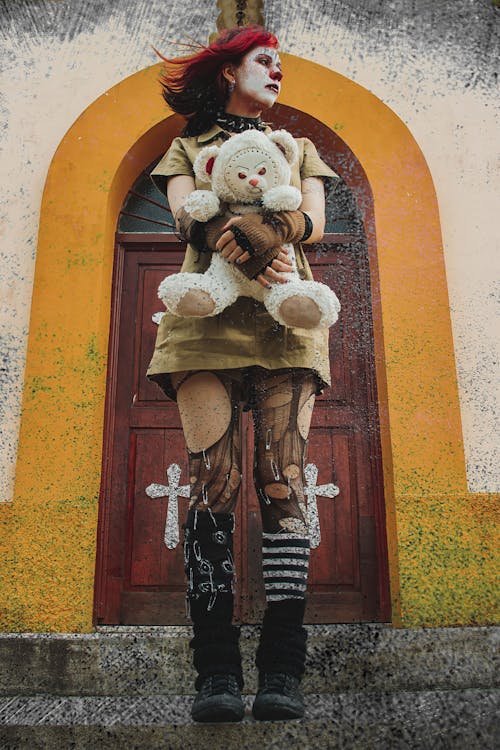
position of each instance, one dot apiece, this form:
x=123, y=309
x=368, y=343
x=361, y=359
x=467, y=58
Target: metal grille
x=145, y=209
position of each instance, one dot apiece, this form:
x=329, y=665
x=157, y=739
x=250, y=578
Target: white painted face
x=257, y=79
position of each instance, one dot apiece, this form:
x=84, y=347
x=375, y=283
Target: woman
x=213, y=365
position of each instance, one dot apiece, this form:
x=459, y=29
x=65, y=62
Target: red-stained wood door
x=140, y=577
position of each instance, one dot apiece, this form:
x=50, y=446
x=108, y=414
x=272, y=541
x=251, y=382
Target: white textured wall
x=432, y=62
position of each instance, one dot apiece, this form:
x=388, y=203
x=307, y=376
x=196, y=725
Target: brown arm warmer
x=213, y=230
x=190, y=230
x=266, y=230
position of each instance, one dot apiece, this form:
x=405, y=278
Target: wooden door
x=140, y=578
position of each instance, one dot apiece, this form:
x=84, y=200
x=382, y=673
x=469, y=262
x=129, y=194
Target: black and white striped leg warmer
x=285, y=565
x=282, y=646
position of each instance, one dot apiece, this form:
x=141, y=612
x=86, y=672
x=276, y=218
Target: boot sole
x=276, y=708
x=217, y=710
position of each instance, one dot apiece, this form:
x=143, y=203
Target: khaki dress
x=243, y=335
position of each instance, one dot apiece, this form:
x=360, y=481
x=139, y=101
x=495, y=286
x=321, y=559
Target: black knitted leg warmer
x=208, y=544
x=282, y=646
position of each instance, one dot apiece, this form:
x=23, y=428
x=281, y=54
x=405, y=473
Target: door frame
x=111, y=547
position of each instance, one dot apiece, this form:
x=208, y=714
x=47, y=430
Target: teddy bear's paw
x=282, y=198
x=187, y=295
x=303, y=304
x=202, y=205
x=300, y=312
x=195, y=304
x=197, y=295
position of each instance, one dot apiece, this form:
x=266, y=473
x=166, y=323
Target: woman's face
x=257, y=78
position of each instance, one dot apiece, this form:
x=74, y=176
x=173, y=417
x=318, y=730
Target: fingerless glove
x=256, y=263
x=213, y=231
x=262, y=235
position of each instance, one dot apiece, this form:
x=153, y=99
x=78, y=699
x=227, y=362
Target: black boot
x=280, y=660
x=216, y=655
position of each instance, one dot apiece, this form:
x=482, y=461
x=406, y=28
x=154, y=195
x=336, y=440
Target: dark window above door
x=145, y=208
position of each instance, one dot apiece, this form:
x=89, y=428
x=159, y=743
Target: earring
x=231, y=87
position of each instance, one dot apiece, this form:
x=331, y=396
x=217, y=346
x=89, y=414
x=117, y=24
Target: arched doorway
x=140, y=566
x=60, y=443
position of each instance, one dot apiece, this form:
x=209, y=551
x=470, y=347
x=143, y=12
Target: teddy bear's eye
x=262, y=171
x=241, y=175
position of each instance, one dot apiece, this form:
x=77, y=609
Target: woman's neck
x=242, y=107
x=235, y=123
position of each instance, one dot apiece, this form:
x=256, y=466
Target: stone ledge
x=432, y=720
x=157, y=661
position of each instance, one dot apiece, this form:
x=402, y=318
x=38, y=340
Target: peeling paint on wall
x=449, y=560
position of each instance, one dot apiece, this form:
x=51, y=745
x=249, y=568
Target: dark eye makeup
x=266, y=60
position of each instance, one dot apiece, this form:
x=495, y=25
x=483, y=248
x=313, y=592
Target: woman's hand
x=258, y=233
x=228, y=247
x=227, y=244
x=270, y=273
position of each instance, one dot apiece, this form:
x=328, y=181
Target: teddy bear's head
x=247, y=165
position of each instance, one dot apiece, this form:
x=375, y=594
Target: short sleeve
x=313, y=166
x=176, y=161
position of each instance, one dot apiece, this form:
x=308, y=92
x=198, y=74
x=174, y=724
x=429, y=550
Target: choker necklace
x=237, y=124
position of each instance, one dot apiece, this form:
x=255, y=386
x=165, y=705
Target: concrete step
x=424, y=720
x=142, y=661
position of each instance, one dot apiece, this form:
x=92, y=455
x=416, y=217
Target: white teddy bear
x=249, y=173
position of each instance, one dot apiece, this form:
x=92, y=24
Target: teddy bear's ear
x=286, y=144
x=204, y=163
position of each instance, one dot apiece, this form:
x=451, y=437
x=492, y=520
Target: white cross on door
x=173, y=491
x=312, y=491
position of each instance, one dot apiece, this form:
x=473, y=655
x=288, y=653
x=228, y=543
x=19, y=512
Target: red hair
x=194, y=85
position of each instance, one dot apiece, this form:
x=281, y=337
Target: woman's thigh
x=209, y=408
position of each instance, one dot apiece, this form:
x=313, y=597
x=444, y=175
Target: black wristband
x=242, y=240
x=197, y=237
x=308, y=228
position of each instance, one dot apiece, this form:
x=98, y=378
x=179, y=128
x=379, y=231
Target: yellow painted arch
x=53, y=522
